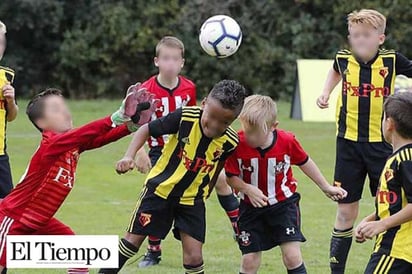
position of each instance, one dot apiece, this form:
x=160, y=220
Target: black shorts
x=6, y=183
x=355, y=160
x=264, y=228
x=154, y=154
x=380, y=263
x=155, y=216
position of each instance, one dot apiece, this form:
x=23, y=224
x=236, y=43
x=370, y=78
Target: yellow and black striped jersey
x=365, y=86
x=189, y=158
x=394, y=193
x=6, y=76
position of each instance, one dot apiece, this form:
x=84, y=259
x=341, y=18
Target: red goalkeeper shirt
x=50, y=175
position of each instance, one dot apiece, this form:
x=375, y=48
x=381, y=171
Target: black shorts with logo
x=355, y=160
x=380, y=263
x=6, y=183
x=155, y=216
x=264, y=228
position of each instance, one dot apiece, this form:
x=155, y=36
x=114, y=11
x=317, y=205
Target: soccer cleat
x=151, y=258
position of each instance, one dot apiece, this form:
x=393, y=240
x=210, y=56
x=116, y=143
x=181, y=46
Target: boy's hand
x=359, y=237
x=143, y=163
x=323, y=101
x=335, y=193
x=124, y=165
x=368, y=230
x=256, y=196
x=9, y=93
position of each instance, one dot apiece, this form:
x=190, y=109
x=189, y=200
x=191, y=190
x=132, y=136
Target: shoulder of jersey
x=186, y=81
x=287, y=135
x=191, y=112
x=232, y=134
x=386, y=52
x=149, y=81
x=403, y=155
x=7, y=69
x=344, y=52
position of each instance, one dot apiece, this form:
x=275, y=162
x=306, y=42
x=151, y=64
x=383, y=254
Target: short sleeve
x=405, y=176
x=403, y=65
x=192, y=101
x=298, y=155
x=336, y=65
x=165, y=125
x=231, y=165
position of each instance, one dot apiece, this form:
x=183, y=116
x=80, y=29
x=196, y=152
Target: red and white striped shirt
x=184, y=94
x=268, y=169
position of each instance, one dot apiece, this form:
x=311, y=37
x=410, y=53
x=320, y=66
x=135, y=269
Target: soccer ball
x=402, y=84
x=220, y=36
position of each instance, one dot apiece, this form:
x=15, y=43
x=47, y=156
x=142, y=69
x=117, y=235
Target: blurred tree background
x=96, y=48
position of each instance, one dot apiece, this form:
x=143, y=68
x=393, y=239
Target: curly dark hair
x=230, y=93
x=35, y=107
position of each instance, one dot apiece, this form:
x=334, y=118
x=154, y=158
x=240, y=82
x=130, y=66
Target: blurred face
x=56, y=115
x=388, y=127
x=257, y=137
x=365, y=40
x=2, y=44
x=215, y=118
x=169, y=61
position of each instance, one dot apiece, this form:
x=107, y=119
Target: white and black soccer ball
x=220, y=36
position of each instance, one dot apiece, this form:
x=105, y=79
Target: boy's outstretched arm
x=127, y=162
x=332, y=80
x=11, y=106
x=312, y=171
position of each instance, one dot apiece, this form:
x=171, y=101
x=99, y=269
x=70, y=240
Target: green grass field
x=101, y=201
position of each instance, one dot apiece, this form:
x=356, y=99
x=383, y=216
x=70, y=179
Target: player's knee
x=292, y=259
x=193, y=258
x=250, y=263
x=134, y=239
x=347, y=214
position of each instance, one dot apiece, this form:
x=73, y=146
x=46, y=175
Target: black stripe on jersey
x=390, y=64
x=201, y=191
x=174, y=161
x=365, y=76
x=190, y=176
x=195, y=111
x=343, y=65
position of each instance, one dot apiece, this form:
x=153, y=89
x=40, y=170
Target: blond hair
x=259, y=111
x=3, y=28
x=367, y=16
x=171, y=42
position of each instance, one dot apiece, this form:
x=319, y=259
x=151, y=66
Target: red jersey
x=268, y=169
x=184, y=94
x=50, y=175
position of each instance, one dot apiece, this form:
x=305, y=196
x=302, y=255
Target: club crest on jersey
x=388, y=174
x=384, y=72
x=280, y=167
x=217, y=154
x=244, y=238
x=145, y=219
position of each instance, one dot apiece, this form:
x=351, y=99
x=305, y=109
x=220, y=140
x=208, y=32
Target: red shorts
x=8, y=226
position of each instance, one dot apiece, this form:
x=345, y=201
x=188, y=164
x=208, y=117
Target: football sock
x=126, y=251
x=154, y=244
x=231, y=205
x=194, y=269
x=340, y=244
x=298, y=270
